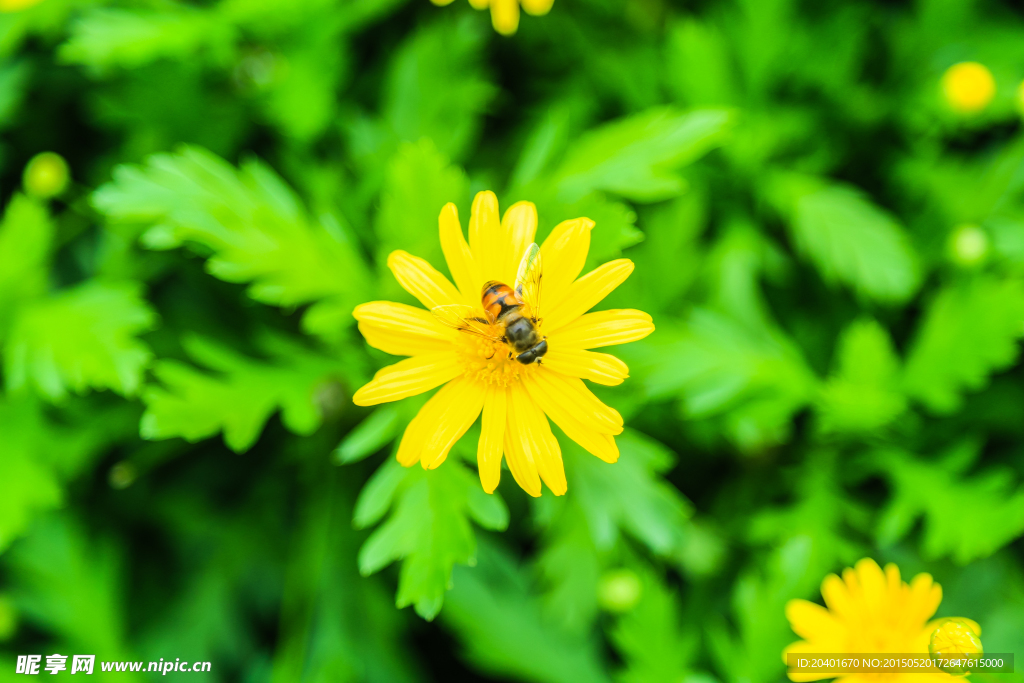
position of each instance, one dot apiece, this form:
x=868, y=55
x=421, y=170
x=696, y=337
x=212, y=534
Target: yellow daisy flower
x=870, y=612
x=477, y=373
x=505, y=13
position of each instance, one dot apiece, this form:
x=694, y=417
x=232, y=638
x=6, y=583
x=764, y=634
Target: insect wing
x=465, y=319
x=528, y=280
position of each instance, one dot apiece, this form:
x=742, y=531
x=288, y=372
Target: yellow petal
x=520, y=225
x=402, y=330
x=464, y=401
x=586, y=293
x=434, y=427
x=505, y=16
x=487, y=240
x=581, y=403
x=604, y=328
x=492, y=437
x=837, y=596
x=480, y=4
x=872, y=583
x=597, y=367
x=422, y=280
x=537, y=7
x=596, y=443
x=562, y=255
x=529, y=435
x=409, y=377
x=925, y=596
x=804, y=648
x=520, y=462
x=459, y=257
x=813, y=622
x=441, y=3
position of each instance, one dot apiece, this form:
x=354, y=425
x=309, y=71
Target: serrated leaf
x=102, y=38
x=849, y=239
x=27, y=487
x=863, y=394
x=502, y=626
x=252, y=223
x=239, y=396
x=79, y=339
x=629, y=496
x=418, y=183
x=437, y=87
x=965, y=517
x=969, y=331
x=754, y=380
x=429, y=528
x=638, y=157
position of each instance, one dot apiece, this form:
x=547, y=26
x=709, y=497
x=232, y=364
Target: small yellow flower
x=16, y=5
x=968, y=87
x=869, y=612
x=478, y=375
x=505, y=13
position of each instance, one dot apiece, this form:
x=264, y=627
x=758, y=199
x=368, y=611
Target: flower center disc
x=487, y=361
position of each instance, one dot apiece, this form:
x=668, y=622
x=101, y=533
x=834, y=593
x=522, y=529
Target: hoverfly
x=510, y=316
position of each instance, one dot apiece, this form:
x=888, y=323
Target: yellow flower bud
x=955, y=636
x=619, y=590
x=968, y=87
x=16, y=5
x=46, y=175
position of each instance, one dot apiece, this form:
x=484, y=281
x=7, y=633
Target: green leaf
x=754, y=380
x=629, y=496
x=81, y=338
x=848, y=239
x=240, y=395
x=651, y=638
x=638, y=157
x=965, y=517
x=969, y=331
x=437, y=87
x=503, y=630
x=863, y=393
x=698, y=66
x=27, y=487
x=429, y=528
x=759, y=600
x=39, y=453
x=102, y=38
x=570, y=569
x=71, y=586
x=252, y=223
x=419, y=182
x=26, y=237
x=370, y=435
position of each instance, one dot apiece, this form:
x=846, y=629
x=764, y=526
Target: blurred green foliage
x=833, y=256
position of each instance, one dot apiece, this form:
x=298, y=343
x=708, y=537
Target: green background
x=182, y=471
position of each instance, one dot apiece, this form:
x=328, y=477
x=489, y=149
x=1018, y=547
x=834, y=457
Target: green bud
x=619, y=590
x=46, y=175
x=968, y=245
